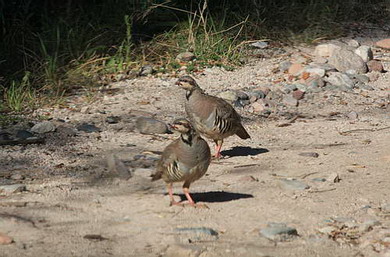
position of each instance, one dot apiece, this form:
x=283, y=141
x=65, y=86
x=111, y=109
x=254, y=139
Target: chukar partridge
x=184, y=160
x=213, y=117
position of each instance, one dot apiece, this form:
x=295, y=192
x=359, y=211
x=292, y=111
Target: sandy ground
x=72, y=207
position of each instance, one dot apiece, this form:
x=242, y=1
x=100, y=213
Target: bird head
x=181, y=125
x=187, y=83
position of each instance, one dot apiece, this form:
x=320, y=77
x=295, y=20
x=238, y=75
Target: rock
x=384, y=43
x=327, y=230
x=260, y=44
x=113, y=119
x=43, y=127
x=320, y=60
x=368, y=225
x=15, y=188
x=117, y=168
x=229, y=96
x=301, y=87
x=339, y=79
x=298, y=94
x=353, y=43
x=319, y=179
x=147, y=125
x=315, y=71
x=284, y=66
x=88, y=128
x=365, y=53
x=293, y=184
x=146, y=70
x=362, y=78
x=309, y=154
x=352, y=115
x=295, y=69
x=314, y=82
x=333, y=177
x=17, y=177
x=24, y=134
x=258, y=107
x=85, y=109
x=196, y=234
x=373, y=76
x=5, y=240
x=279, y=232
x=289, y=100
x=259, y=94
x=242, y=95
x=185, y=57
x=365, y=86
x=326, y=50
x=66, y=131
x=385, y=207
x=344, y=60
x=375, y=65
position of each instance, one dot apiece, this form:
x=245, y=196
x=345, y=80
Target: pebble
x=113, y=119
x=315, y=82
x=293, y=184
x=295, y=69
x=147, y=125
x=327, y=230
x=298, y=94
x=146, y=70
x=260, y=44
x=88, y=128
x=185, y=57
x=15, y=188
x=353, y=43
x=375, y=65
x=66, y=131
x=384, y=43
x=43, y=127
x=284, y=66
x=365, y=53
x=353, y=115
x=85, y=109
x=319, y=179
x=315, y=71
x=344, y=60
x=17, y=177
x=333, y=177
x=5, y=240
x=309, y=154
x=196, y=234
x=278, y=232
x=230, y=96
x=362, y=78
x=23, y=134
x=301, y=87
x=373, y=76
x=385, y=207
x=289, y=100
x=242, y=95
x=258, y=107
x=117, y=168
x=339, y=79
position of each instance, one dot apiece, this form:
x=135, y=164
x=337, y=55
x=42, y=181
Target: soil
x=75, y=206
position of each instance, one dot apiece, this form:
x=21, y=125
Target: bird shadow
x=244, y=151
x=215, y=196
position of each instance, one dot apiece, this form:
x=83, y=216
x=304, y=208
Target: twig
x=34, y=140
x=321, y=191
x=362, y=130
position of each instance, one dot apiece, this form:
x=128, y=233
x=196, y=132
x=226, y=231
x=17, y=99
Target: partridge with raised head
x=184, y=160
x=213, y=117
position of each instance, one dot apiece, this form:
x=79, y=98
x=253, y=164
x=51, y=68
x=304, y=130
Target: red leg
x=170, y=192
x=191, y=202
x=218, y=147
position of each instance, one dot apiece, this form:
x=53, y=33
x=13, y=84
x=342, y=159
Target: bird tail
x=241, y=132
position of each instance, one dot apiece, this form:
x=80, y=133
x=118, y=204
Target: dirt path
x=336, y=201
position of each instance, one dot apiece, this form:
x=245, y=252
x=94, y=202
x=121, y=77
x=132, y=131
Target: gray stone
x=260, y=44
x=196, y=234
x=88, y=128
x=291, y=87
x=365, y=53
x=15, y=188
x=327, y=230
x=146, y=70
x=185, y=57
x=117, y=168
x=315, y=82
x=67, y=131
x=309, y=154
x=375, y=65
x=289, y=100
x=352, y=115
x=113, y=119
x=259, y=94
x=242, y=95
x=284, y=66
x=293, y=184
x=279, y=232
x=333, y=177
x=385, y=207
x=353, y=43
x=147, y=125
x=23, y=134
x=339, y=79
x=301, y=87
x=43, y=127
x=230, y=96
x=343, y=60
x=362, y=78
x=258, y=107
x=17, y=177
x=315, y=71
x=319, y=179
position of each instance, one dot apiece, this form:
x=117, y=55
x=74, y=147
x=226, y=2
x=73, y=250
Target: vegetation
x=49, y=48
